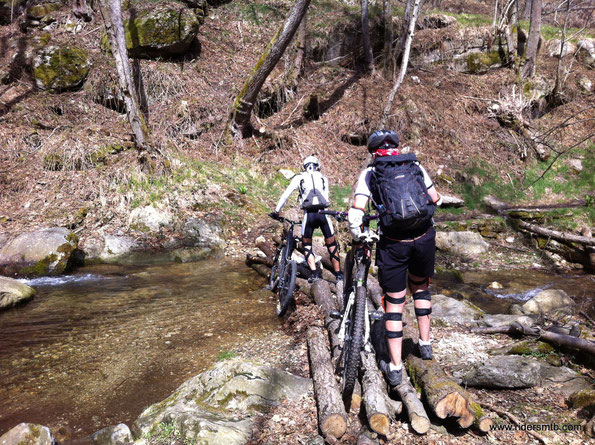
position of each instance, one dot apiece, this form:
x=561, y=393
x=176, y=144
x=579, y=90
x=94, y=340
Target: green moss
x=61, y=68
x=479, y=62
x=583, y=400
x=40, y=268
x=65, y=248
x=37, y=12
x=140, y=227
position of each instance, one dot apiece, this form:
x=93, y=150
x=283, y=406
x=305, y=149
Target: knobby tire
x=354, y=346
x=286, y=287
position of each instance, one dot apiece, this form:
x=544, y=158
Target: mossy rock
x=61, y=68
x=160, y=32
x=482, y=62
x=583, y=400
x=38, y=12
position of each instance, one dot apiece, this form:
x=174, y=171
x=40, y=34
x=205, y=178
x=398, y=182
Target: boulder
x=116, y=247
x=450, y=310
x=585, y=84
x=555, y=48
x=565, y=380
x=461, y=243
x=552, y=302
x=218, y=406
x=60, y=68
x=42, y=252
x=40, y=10
x=504, y=372
x=13, y=292
x=149, y=219
x=199, y=232
x=586, y=51
x=160, y=32
x=435, y=21
x=112, y=435
x=452, y=201
x=28, y=434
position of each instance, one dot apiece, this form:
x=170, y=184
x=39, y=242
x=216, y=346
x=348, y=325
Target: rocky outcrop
x=149, y=219
x=159, y=32
x=435, y=21
x=461, y=243
x=586, y=51
x=43, y=252
x=551, y=302
x=509, y=371
x=556, y=49
x=198, y=232
x=218, y=406
x=13, y=292
x=60, y=68
x=28, y=434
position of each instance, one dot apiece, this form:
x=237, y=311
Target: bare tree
x=387, y=15
x=111, y=10
x=415, y=4
x=239, y=123
x=368, y=56
x=533, y=40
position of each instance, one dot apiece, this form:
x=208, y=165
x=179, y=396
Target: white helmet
x=311, y=164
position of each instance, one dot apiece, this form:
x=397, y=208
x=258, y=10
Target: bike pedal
x=376, y=315
x=334, y=314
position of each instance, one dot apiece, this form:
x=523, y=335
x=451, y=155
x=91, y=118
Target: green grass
x=559, y=180
x=167, y=433
x=226, y=355
x=260, y=13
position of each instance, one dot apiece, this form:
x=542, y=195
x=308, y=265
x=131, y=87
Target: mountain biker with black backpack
x=313, y=188
x=405, y=198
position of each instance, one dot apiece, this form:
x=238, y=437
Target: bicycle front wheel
x=353, y=345
x=286, y=287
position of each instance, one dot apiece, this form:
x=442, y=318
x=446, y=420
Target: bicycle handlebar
x=283, y=219
x=339, y=216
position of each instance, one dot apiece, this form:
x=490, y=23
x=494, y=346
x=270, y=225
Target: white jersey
x=304, y=182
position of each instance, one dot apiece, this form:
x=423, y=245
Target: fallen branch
x=554, y=234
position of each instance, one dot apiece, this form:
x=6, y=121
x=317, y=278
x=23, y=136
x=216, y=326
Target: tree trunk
x=300, y=56
x=533, y=40
x=81, y=11
x=332, y=418
x=368, y=56
x=527, y=10
x=404, y=62
x=418, y=418
x=551, y=337
x=379, y=409
x=111, y=11
x=511, y=22
x=560, y=236
x=403, y=35
x=244, y=101
x=388, y=60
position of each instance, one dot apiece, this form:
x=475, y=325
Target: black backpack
x=400, y=194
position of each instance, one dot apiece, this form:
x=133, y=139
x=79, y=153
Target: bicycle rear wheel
x=353, y=345
x=286, y=287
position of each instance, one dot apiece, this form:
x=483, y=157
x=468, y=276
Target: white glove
x=355, y=217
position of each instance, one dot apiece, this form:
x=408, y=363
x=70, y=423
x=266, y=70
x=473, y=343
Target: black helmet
x=382, y=139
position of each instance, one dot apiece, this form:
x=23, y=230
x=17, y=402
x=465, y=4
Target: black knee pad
x=423, y=295
x=393, y=300
x=418, y=283
x=334, y=255
x=393, y=316
x=421, y=312
x=308, y=251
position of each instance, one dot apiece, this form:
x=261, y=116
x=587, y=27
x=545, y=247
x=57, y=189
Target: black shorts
x=314, y=220
x=395, y=258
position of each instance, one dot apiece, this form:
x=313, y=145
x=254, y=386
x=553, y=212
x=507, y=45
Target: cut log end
x=484, y=424
x=420, y=424
x=334, y=425
x=454, y=404
x=379, y=423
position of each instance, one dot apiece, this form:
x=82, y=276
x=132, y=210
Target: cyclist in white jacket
x=313, y=190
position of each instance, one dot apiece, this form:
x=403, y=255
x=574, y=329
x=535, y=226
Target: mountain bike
x=284, y=270
x=354, y=330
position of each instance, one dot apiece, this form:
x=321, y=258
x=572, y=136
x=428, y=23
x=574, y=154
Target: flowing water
x=93, y=349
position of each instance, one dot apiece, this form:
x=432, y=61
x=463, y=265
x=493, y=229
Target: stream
x=95, y=348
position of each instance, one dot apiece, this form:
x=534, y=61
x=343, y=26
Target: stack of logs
x=442, y=395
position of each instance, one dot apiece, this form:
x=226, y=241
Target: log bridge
x=423, y=380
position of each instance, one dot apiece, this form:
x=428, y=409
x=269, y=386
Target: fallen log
x=418, y=418
x=256, y=259
x=321, y=293
x=555, y=234
x=380, y=409
x=332, y=418
x=444, y=396
x=482, y=422
x=265, y=248
x=516, y=328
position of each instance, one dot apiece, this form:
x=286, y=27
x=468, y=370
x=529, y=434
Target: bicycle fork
x=343, y=333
